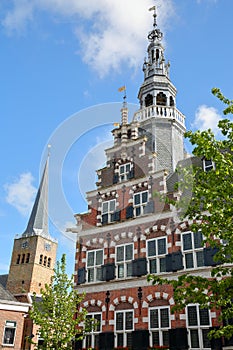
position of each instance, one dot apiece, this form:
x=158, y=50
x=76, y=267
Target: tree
x=56, y=314
x=211, y=208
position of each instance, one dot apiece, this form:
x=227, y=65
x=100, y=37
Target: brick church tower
x=128, y=232
x=34, y=252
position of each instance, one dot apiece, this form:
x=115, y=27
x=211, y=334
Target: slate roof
x=6, y=295
x=3, y=280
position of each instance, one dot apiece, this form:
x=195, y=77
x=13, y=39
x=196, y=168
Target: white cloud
x=207, y=118
x=21, y=193
x=110, y=33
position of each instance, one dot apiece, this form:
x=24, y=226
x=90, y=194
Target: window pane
x=120, y=253
x=153, y=267
x=112, y=205
x=98, y=274
x=119, y=321
x=122, y=169
x=120, y=271
x=155, y=338
x=105, y=207
x=90, y=275
x=164, y=318
x=129, y=340
x=88, y=340
x=9, y=335
x=98, y=322
x=204, y=317
x=162, y=246
x=129, y=320
x=206, y=341
x=162, y=262
x=192, y=316
x=96, y=342
x=90, y=259
x=151, y=248
x=154, y=321
x=99, y=257
x=127, y=167
x=187, y=241
x=165, y=338
x=120, y=339
x=144, y=197
x=129, y=252
x=200, y=259
x=129, y=269
x=189, y=261
x=198, y=238
x=138, y=211
x=137, y=199
x=194, y=338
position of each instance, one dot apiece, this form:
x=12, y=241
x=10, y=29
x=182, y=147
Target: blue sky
x=61, y=64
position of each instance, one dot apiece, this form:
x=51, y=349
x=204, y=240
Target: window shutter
x=78, y=343
x=129, y=212
x=149, y=208
x=81, y=275
x=140, y=339
x=209, y=254
x=106, y=341
x=139, y=267
x=174, y=261
x=116, y=216
x=178, y=339
x=104, y=219
x=115, y=178
x=108, y=272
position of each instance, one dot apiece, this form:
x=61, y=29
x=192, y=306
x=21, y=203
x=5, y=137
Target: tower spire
x=38, y=221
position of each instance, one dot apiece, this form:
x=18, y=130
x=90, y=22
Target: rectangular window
x=193, y=249
x=91, y=340
x=9, y=333
x=108, y=209
x=208, y=165
x=124, y=327
x=140, y=201
x=124, y=257
x=124, y=171
x=93, y=265
x=159, y=326
x=156, y=251
x=198, y=321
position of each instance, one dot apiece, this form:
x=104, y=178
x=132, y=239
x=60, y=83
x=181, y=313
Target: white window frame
x=89, y=341
x=160, y=329
x=157, y=256
x=109, y=211
x=139, y=207
x=11, y=326
x=124, y=175
x=193, y=251
x=198, y=328
x=125, y=332
x=208, y=167
x=125, y=263
x=96, y=268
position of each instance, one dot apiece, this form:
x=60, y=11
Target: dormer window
x=208, y=165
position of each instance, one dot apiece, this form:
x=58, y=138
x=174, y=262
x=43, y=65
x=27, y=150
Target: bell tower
x=34, y=252
x=159, y=119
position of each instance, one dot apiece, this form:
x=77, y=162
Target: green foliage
x=56, y=314
x=210, y=203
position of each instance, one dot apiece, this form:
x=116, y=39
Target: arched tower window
x=148, y=100
x=23, y=259
x=41, y=259
x=45, y=260
x=49, y=262
x=27, y=258
x=161, y=99
x=172, y=103
x=18, y=259
x=157, y=54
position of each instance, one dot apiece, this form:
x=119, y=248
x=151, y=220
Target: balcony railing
x=160, y=112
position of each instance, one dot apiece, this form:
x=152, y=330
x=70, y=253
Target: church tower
x=34, y=252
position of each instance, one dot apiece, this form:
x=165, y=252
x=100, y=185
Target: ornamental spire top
x=155, y=34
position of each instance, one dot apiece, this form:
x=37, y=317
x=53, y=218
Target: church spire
x=38, y=221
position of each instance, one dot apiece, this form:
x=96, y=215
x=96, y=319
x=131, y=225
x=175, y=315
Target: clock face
x=47, y=247
x=24, y=244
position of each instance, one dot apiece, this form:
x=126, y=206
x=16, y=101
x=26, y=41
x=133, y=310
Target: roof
x=6, y=295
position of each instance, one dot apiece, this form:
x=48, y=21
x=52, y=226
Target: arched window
x=148, y=100
x=41, y=259
x=18, y=259
x=23, y=259
x=45, y=260
x=161, y=99
x=157, y=54
x=27, y=258
x=49, y=262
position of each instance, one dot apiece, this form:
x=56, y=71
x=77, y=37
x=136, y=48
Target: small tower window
x=49, y=262
x=23, y=259
x=148, y=100
x=41, y=259
x=27, y=258
x=18, y=259
x=172, y=101
x=152, y=55
x=161, y=99
x=45, y=260
x=157, y=54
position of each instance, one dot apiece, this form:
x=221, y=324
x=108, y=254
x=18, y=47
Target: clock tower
x=34, y=252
